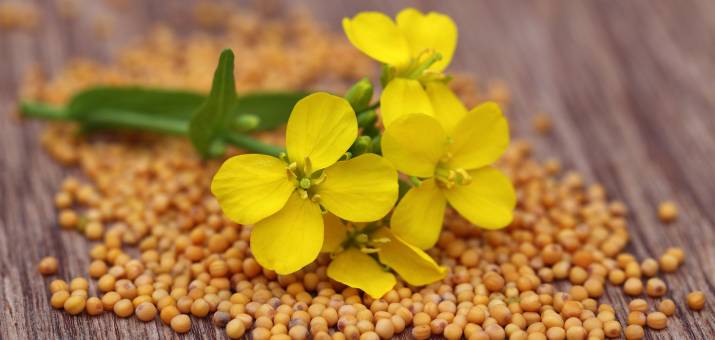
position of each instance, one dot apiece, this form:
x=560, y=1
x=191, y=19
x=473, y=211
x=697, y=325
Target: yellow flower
x=405, y=42
x=284, y=197
x=361, y=250
x=454, y=162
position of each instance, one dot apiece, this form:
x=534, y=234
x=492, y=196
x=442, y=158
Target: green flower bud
x=360, y=94
x=246, y=122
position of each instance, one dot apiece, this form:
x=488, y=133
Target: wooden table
x=630, y=86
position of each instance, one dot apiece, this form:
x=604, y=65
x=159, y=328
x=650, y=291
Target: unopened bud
x=360, y=94
x=246, y=122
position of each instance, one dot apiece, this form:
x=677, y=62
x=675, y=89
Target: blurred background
x=621, y=91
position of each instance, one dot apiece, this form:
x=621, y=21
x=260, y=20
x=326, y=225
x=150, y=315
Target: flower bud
x=360, y=94
x=246, y=122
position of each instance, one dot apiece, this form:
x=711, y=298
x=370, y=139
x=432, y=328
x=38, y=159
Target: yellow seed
x=146, y=311
x=124, y=308
x=649, y=267
x=47, y=266
x=655, y=287
x=94, y=306
x=657, y=320
x=74, y=304
x=57, y=285
x=667, y=211
x=168, y=313
x=668, y=263
x=79, y=283
x=638, y=305
x=58, y=299
x=612, y=328
x=633, y=286
x=634, y=332
x=235, y=329
x=181, y=323
x=667, y=307
x=636, y=318
x=68, y=219
x=696, y=300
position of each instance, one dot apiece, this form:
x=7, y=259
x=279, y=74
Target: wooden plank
x=628, y=85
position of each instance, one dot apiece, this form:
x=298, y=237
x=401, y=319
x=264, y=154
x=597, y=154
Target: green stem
x=250, y=144
x=132, y=120
x=44, y=111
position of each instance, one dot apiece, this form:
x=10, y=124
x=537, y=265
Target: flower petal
x=418, y=217
x=432, y=31
x=401, y=97
x=291, y=238
x=251, y=187
x=480, y=138
x=487, y=202
x=361, y=189
x=413, y=264
x=335, y=233
x=358, y=270
x=322, y=127
x=415, y=144
x=376, y=35
x=448, y=109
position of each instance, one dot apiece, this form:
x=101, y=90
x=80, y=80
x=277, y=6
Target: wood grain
x=628, y=83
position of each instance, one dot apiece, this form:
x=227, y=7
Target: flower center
x=449, y=178
x=304, y=178
x=364, y=239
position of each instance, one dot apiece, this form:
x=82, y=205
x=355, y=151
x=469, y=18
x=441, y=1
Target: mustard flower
x=454, y=162
x=406, y=42
x=363, y=253
x=284, y=197
x=417, y=47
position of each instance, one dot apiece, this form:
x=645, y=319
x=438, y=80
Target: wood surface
x=630, y=86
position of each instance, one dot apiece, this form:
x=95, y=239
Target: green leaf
x=172, y=103
x=271, y=108
x=209, y=123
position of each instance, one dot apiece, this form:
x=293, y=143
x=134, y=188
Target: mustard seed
x=655, y=287
x=47, y=266
x=636, y=318
x=667, y=307
x=123, y=308
x=696, y=300
x=235, y=329
x=94, y=306
x=200, y=308
x=612, y=328
x=168, y=313
x=57, y=285
x=181, y=323
x=109, y=300
x=633, y=286
x=385, y=329
x=649, y=267
x=74, y=304
x=58, y=299
x=656, y=320
x=146, y=311
x=638, y=305
x=667, y=211
x=634, y=332
x=79, y=283
x=68, y=219
x=668, y=263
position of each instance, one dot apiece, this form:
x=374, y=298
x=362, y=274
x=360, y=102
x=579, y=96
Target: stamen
x=315, y=198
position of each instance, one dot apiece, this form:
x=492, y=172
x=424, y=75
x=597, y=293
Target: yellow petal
x=401, y=97
x=448, y=109
x=322, y=127
x=376, y=35
x=415, y=144
x=418, y=217
x=413, y=264
x=361, y=189
x=335, y=233
x=432, y=31
x=251, y=187
x=480, y=138
x=487, y=202
x=291, y=238
x=358, y=270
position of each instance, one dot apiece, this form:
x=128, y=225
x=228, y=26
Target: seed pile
x=149, y=196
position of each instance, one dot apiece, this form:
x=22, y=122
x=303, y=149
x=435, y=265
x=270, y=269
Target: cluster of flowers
x=318, y=197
